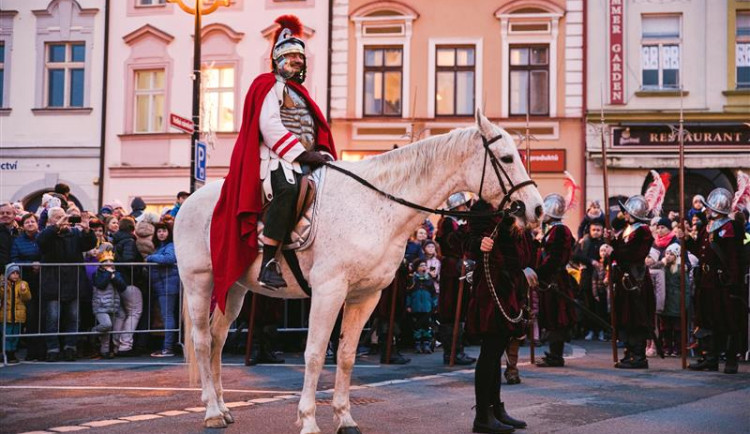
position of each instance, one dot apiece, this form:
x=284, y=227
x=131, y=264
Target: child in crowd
x=14, y=308
x=599, y=286
x=414, y=246
x=105, y=300
x=433, y=263
x=421, y=302
x=669, y=318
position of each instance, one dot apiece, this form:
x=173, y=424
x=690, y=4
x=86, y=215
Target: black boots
x=270, y=276
x=486, y=422
x=633, y=363
x=551, y=361
x=498, y=410
x=461, y=359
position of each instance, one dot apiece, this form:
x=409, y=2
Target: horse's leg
x=355, y=317
x=324, y=308
x=219, y=328
x=198, y=291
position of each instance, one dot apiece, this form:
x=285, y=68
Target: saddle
x=303, y=234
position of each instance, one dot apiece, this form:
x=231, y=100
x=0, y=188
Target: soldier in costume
x=283, y=135
x=509, y=254
x=719, y=307
x=452, y=236
x=556, y=313
x=635, y=302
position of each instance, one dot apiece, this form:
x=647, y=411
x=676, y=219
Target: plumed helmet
x=554, y=205
x=457, y=199
x=720, y=201
x=637, y=207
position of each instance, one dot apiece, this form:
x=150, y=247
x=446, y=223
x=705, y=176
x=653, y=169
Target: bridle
x=516, y=207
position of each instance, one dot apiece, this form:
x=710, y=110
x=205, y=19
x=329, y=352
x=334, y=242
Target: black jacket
x=126, y=251
x=69, y=282
x=6, y=241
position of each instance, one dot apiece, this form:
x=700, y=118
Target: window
x=2, y=73
x=149, y=101
x=219, y=98
x=151, y=2
x=529, y=80
x=660, y=52
x=65, y=74
x=382, y=85
x=454, y=80
x=742, y=52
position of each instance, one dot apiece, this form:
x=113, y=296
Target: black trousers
x=280, y=219
x=634, y=339
x=487, y=373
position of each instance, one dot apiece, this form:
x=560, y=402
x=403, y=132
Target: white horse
x=360, y=242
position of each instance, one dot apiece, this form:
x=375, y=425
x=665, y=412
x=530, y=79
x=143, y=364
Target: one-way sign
x=181, y=123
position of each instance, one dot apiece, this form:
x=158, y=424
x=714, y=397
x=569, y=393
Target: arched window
x=221, y=66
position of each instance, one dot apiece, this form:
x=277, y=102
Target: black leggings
x=487, y=374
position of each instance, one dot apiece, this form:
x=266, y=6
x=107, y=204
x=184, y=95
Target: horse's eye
x=507, y=159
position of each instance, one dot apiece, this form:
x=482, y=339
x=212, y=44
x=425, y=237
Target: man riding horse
x=283, y=135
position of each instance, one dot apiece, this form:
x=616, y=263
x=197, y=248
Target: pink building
x=150, y=67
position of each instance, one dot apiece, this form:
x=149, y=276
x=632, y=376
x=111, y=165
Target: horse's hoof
x=228, y=417
x=349, y=430
x=215, y=422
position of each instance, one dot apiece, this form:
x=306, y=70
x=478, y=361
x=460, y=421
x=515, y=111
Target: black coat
x=6, y=241
x=64, y=283
x=126, y=251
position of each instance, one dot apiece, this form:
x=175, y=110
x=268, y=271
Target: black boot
x=731, y=365
x=707, y=363
x=270, y=270
x=12, y=358
x=485, y=422
x=551, y=361
x=503, y=416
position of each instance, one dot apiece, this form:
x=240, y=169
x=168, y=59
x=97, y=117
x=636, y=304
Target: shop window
x=383, y=69
x=660, y=52
x=742, y=51
x=529, y=80
x=64, y=74
x=454, y=80
x=218, y=98
x=149, y=101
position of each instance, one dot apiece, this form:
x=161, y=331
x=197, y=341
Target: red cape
x=234, y=237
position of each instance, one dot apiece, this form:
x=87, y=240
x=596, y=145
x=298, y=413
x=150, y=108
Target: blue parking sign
x=200, y=161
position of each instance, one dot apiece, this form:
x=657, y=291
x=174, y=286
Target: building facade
x=403, y=71
x=650, y=60
x=51, y=63
x=150, y=70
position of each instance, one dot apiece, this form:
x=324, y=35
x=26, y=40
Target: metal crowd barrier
x=295, y=318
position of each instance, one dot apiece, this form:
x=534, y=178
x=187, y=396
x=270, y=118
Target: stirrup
x=270, y=276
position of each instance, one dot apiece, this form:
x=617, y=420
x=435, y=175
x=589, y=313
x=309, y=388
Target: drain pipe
x=103, y=128
x=330, y=54
x=584, y=111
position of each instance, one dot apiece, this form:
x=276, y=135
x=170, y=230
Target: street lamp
x=202, y=7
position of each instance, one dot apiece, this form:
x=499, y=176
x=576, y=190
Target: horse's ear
x=483, y=124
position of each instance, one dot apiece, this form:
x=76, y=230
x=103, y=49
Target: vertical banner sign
x=616, y=63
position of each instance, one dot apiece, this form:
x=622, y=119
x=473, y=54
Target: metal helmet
x=554, y=206
x=457, y=199
x=637, y=207
x=287, y=43
x=719, y=201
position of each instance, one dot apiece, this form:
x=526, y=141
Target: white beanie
x=674, y=249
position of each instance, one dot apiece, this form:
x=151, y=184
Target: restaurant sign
x=545, y=160
x=712, y=136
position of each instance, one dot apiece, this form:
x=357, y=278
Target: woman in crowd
x=166, y=284
x=111, y=227
x=25, y=250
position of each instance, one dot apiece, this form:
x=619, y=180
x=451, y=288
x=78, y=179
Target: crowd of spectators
x=67, y=271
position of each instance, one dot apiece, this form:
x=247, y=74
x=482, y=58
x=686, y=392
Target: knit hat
x=664, y=221
x=673, y=249
x=106, y=209
x=13, y=269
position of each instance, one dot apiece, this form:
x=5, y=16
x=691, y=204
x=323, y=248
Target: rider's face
x=294, y=63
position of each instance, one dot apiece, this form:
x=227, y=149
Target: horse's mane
x=415, y=161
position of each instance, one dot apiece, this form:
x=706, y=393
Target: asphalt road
x=588, y=395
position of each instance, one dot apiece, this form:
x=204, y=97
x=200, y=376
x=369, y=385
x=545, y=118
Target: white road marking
x=168, y=389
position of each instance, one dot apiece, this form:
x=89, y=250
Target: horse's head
x=508, y=177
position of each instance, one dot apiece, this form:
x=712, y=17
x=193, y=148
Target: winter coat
x=14, y=309
x=673, y=292
x=144, y=232
x=164, y=277
x=25, y=249
x=64, y=283
x=6, y=241
x=107, y=288
x=127, y=251
x=422, y=298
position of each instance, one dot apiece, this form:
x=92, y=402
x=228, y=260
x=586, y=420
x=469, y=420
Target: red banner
x=616, y=62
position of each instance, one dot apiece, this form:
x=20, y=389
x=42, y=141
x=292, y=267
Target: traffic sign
x=200, y=161
x=181, y=123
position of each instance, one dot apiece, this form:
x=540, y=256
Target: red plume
x=290, y=22
x=571, y=197
x=742, y=196
x=656, y=192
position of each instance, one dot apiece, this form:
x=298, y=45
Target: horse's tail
x=192, y=363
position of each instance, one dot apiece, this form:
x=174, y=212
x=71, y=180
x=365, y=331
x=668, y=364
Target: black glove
x=312, y=159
